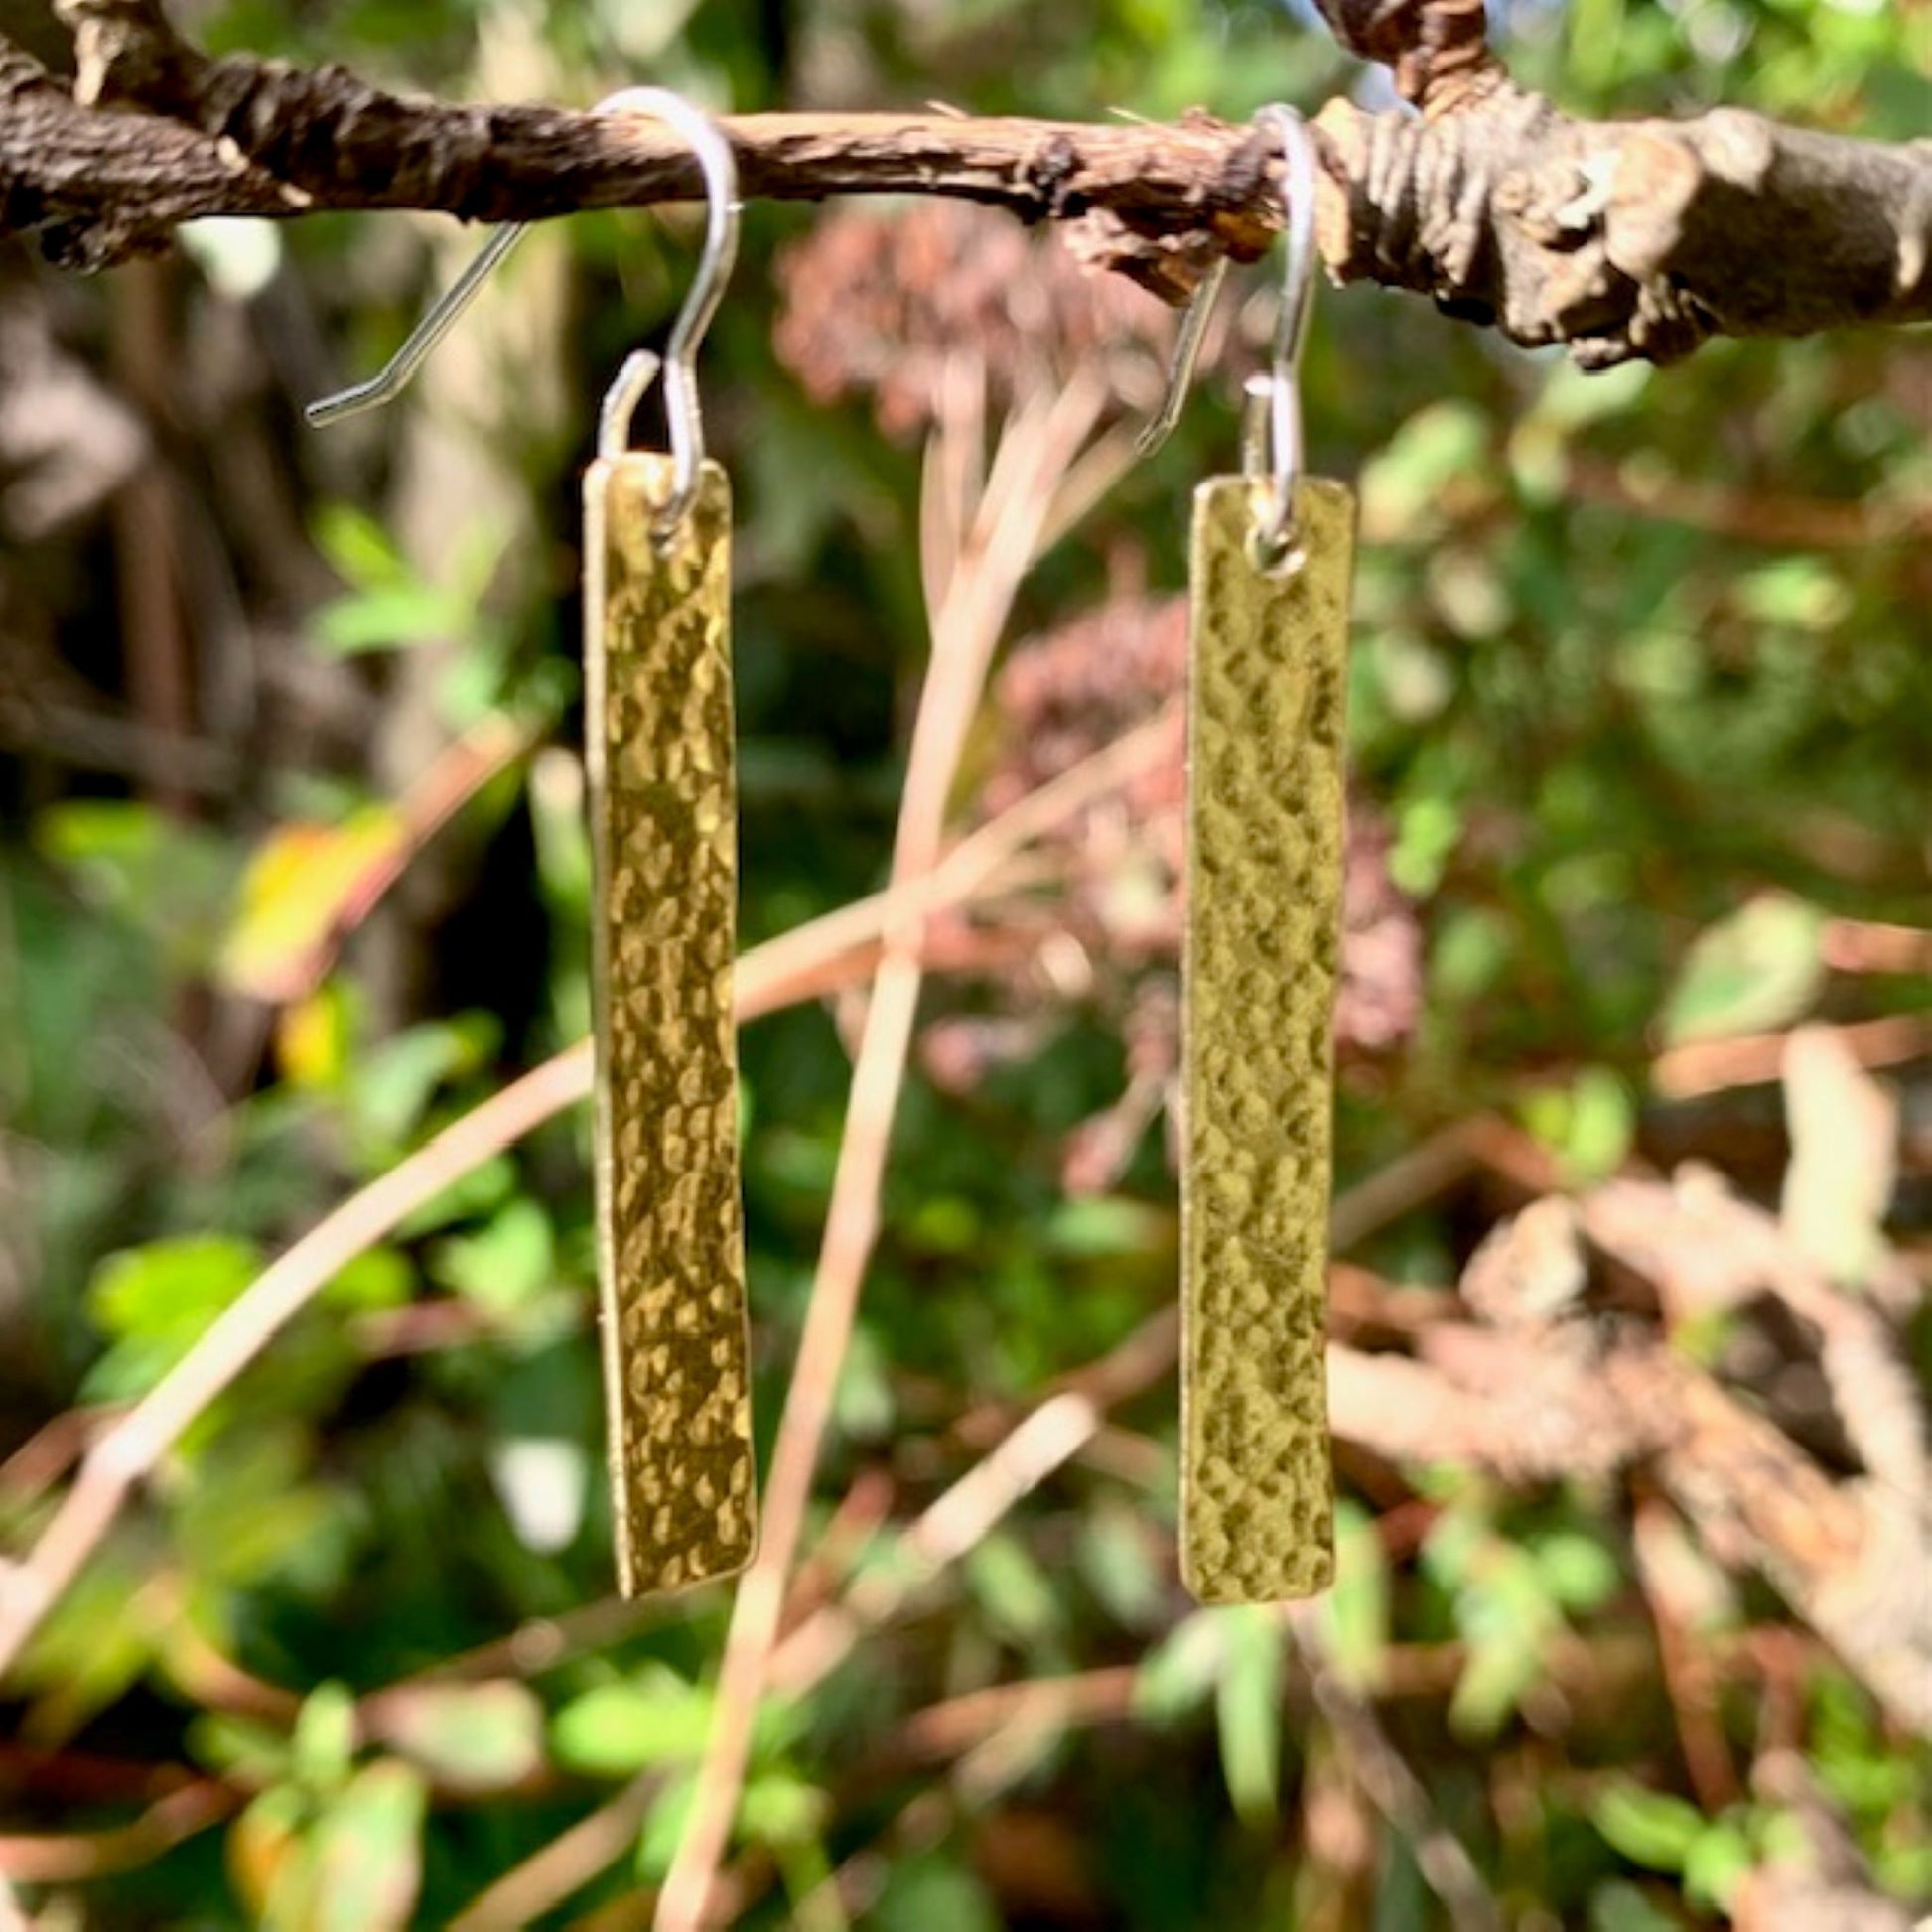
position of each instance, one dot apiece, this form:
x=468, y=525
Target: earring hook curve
x=678, y=364
x=1273, y=444
x=1277, y=450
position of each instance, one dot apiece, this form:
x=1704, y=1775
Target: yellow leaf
x=303, y=885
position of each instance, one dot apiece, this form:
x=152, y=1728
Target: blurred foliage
x=1641, y=690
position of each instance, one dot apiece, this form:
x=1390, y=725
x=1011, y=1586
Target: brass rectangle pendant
x=1267, y=686
x=659, y=735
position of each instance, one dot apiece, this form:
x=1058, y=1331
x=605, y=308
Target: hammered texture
x=1266, y=690
x=670, y=1220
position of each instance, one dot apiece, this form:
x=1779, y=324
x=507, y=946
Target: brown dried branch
x=1435, y=47
x=1629, y=240
x=1621, y=240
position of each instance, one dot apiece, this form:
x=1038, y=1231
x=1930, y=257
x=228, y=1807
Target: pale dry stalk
x=1041, y=439
x=1394, y=1789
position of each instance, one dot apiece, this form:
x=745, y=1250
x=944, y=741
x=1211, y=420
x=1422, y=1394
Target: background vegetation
x=292, y=878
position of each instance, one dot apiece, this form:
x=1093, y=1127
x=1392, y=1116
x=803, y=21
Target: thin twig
x=1474, y=203
x=1034, y=454
x=1394, y=1789
x=596, y=1841
x=1703, y=1066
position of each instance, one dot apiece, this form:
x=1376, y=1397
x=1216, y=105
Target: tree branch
x=1620, y=240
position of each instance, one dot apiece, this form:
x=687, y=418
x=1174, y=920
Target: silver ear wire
x=1278, y=455
x=1186, y=358
x=394, y=376
x=680, y=360
x=640, y=369
x=1272, y=438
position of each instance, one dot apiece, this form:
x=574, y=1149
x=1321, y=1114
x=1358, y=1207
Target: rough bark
x=1620, y=240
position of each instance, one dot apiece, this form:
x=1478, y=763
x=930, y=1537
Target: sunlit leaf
x=263, y=1853
x=475, y=1736
x=1716, y=1863
x=325, y=1737
x=305, y=882
x=1650, y=1828
x=1580, y=1572
x=781, y=1809
x=1016, y=1595
x=1354, y=1614
x=366, y=1851
x=503, y=1265
x=931, y=1894
x=1248, y=1709
x=1117, y=1556
x=1179, y=1673
x=1761, y=968
x=154, y=1303
x=616, y=1730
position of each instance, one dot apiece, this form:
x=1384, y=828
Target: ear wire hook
x=1271, y=436
x=1273, y=445
x=640, y=368
x=1186, y=358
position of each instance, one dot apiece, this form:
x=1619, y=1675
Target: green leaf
x=243, y=1519
x=1620, y=1907
x=358, y=547
x=395, y=1083
x=1178, y=1674
x=1759, y=969
x=1602, y=1125
x=931, y=1894
x=664, y=1827
x=1248, y=1710
x=1102, y=1226
x=778, y=1808
x=1444, y=447
x=379, y=1278
x=87, y=1653
x=154, y=1303
x=244, y=1748
x=367, y=1852
x=1800, y=592
x=169, y=881
x=1012, y=1588
x=1580, y=1572
x=1716, y=1863
x=505, y=1264
x=475, y=1736
x=865, y=1406
x=397, y=617
x=1117, y=1558
x=615, y=1730
x=1650, y=1828
x=1427, y=833
x=1354, y=1614
x=324, y=1745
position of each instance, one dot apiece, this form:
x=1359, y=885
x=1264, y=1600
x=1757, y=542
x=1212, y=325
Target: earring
x=664, y=831
x=660, y=760
x=1269, y=575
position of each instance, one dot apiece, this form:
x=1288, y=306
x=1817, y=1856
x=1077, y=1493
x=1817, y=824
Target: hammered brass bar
x=1266, y=689
x=669, y=1213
